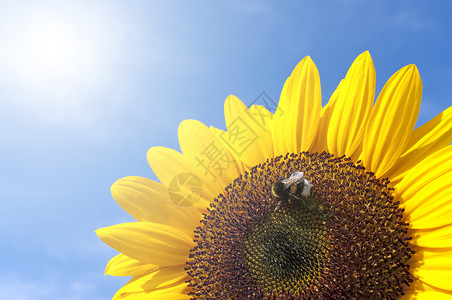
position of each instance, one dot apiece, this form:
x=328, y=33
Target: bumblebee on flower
x=385, y=234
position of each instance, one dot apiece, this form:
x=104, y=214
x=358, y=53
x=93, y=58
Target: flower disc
x=345, y=240
x=287, y=249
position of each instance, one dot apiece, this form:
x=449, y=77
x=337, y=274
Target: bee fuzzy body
x=295, y=186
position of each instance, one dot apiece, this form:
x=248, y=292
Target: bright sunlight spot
x=51, y=60
x=53, y=47
x=41, y=50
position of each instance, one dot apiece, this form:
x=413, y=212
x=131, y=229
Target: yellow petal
x=219, y=132
x=147, y=200
x=352, y=108
x=321, y=142
x=122, y=265
x=261, y=114
x=434, y=268
x=432, y=167
x=148, y=242
x=427, y=139
x=163, y=283
x=429, y=295
x=247, y=135
x=440, y=237
x=425, y=191
x=392, y=120
x=146, y=295
x=209, y=156
x=264, y=116
x=169, y=165
x=418, y=289
x=300, y=104
x=432, y=206
x=168, y=295
x=154, y=295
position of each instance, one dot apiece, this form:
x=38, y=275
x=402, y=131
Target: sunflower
x=364, y=211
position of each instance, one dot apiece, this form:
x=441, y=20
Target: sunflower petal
x=261, y=114
x=295, y=127
x=427, y=139
x=169, y=164
x=154, y=295
x=264, y=116
x=432, y=167
x=321, y=142
x=352, y=108
x=246, y=136
x=122, y=265
x=428, y=295
x=146, y=295
x=431, y=207
x=147, y=200
x=219, y=132
x=207, y=153
x=156, y=285
x=433, y=238
x=425, y=191
x=418, y=289
x=148, y=242
x=434, y=268
x=392, y=120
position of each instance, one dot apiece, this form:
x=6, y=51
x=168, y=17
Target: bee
x=295, y=186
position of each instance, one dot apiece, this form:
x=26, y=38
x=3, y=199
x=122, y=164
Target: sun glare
x=46, y=50
x=52, y=59
x=53, y=48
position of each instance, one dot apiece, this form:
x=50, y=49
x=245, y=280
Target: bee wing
x=306, y=188
x=294, y=179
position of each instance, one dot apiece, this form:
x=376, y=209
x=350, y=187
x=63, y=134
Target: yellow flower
x=377, y=221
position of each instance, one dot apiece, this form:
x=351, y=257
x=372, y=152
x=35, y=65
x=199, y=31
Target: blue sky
x=87, y=87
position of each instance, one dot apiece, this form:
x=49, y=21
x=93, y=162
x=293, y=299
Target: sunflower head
x=345, y=201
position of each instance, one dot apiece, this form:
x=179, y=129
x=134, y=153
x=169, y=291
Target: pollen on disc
x=344, y=240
